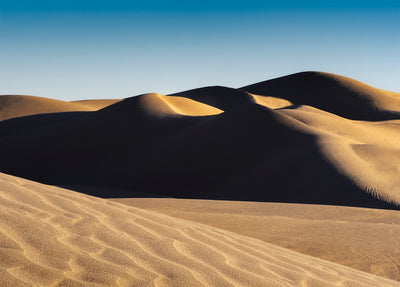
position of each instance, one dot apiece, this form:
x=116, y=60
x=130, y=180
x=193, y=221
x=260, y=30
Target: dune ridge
x=337, y=94
x=97, y=104
x=310, y=137
x=50, y=236
x=314, y=137
x=160, y=105
x=12, y=106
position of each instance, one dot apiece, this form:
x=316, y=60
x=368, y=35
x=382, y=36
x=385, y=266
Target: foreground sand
x=361, y=238
x=54, y=237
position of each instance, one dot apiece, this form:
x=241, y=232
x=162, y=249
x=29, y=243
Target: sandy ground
x=361, y=238
x=50, y=236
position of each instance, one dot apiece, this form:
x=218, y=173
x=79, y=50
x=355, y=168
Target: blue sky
x=114, y=49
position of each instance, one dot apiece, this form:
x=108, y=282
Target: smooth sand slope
x=20, y=113
x=54, y=237
x=12, y=106
x=97, y=104
x=332, y=93
x=361, y=238
x=296, y=140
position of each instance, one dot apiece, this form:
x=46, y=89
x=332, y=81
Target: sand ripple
x=54, y=237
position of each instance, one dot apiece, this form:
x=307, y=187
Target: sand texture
x=55, y=237
x=361, y=238
x=305, y=138
x=216, y=186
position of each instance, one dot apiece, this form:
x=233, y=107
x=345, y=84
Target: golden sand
x=54, y=237
x=308, y=138
x=361, y=238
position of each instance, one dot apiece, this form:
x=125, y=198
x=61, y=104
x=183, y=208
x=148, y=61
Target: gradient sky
x=67, y=49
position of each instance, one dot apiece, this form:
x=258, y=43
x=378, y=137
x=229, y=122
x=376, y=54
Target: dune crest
x=97, y=104
x=12, y=106
x=220, y=97
x=307, y=138
x=51, y=236
x=166, y=105
x=337, y=94
x=271, y=102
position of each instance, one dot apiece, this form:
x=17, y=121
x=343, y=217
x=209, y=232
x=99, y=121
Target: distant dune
x=97, y=104
x=336, y=94
x=162, y=106
x=12, y=106
x=361, y=238
x=306, y=138
x=54, y=237
x=323, y=140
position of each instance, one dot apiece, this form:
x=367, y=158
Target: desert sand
x=292, y=177
x=361, y=238
x=317, y=138
x=12, y=106
x=55, y=237
x=97, y=104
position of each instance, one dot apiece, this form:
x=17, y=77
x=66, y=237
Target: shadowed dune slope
x=12, y=106
x=160, y=104
x=223, y=98
x=244, y=149
x=219, y=143
x=34, y=122
x=50, y=236
x=361, y=238
x=307, y=158
x=72, y=151
x=333, y=93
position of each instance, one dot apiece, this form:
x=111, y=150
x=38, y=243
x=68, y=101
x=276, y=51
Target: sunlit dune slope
x=224, y=143
x=25, y=113
x=50, y=236
x=12, y=106
x=161, y=105
x=361, y=238
x=333, y=93
x=97, y=104
x=158, y=106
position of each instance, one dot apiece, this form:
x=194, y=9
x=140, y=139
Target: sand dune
x=333, y=93
x=161, y=105
x=223, y=98
x=305, y=138
x=361, y=238
x=50, y=236
x=97, y=104
x=12, y=106
x=294, y=140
